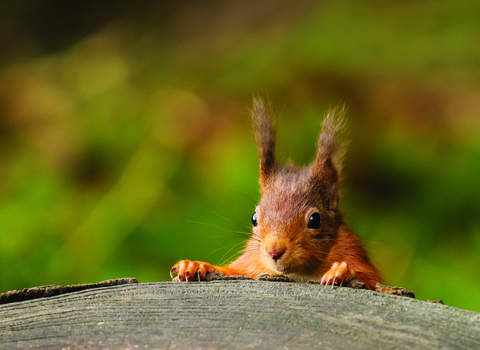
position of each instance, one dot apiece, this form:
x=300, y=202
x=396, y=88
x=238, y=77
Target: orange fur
x=298, y=228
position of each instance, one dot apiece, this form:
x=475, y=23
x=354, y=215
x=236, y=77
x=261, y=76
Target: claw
x=186, y=270
x=340, y=273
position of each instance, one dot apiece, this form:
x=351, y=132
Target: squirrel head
x=298, y=216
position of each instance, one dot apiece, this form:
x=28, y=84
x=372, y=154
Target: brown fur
x=289, y=196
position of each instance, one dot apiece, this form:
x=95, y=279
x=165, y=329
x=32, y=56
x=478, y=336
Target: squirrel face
x=297, y=218
x=293, y=226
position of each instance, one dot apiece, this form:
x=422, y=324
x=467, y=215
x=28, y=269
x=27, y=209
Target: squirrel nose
x=276, y=254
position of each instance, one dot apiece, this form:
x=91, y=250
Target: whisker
x=245, y=233
x=203, y=223
x=258, y=235
x=254, y=203
x=241, y=232
x=244, y=226
x=234, y=256
x=220, y=216
x=251, y=250
x=228, y=251
x=377, y=242
x=216, y=250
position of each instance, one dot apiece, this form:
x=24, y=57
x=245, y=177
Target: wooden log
x=235, y=314
x=52, y=290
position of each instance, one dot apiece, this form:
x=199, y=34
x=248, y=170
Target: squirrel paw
x=189, y=271
x=338, y=274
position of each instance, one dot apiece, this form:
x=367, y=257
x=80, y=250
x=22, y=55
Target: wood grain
x=235, y=315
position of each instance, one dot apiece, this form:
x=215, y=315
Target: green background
x=125, y=139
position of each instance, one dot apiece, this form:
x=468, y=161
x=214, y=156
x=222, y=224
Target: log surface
x=235, y=315
x=14, y=296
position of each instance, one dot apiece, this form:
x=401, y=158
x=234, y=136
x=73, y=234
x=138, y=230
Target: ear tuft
x=263, y=125
x=327, y=165
x=330, y=147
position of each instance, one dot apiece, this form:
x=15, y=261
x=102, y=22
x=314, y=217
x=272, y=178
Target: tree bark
x=235, y=315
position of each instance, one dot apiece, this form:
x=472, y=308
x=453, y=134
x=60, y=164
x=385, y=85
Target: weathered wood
x=14, y=296
x=235, y=315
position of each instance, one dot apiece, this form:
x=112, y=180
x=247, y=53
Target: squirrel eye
x=254, y=220
x=314, y=221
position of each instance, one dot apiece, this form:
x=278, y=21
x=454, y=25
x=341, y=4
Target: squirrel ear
x=263, y=126
x=327, y=165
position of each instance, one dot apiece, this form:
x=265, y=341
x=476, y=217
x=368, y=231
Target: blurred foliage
x=126, y=144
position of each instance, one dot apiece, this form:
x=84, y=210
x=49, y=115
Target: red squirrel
x=298, y=229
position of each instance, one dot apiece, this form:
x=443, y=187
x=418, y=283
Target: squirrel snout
x=276, y=254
